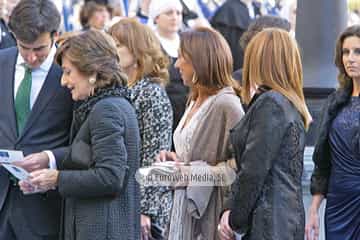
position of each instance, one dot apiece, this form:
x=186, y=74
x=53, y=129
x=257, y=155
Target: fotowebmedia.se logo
x=198, y=173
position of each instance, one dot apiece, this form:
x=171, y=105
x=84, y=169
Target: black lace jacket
x=269, y=141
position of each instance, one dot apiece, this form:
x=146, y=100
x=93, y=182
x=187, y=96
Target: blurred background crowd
x=202, y=9
x=103, y=13
x=195, y=11
x=110, y=10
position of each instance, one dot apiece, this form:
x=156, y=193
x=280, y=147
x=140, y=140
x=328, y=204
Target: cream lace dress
x=181, y=225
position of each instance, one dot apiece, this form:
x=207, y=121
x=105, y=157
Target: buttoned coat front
x=103, y=200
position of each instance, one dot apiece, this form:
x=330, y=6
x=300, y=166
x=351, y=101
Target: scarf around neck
x=82, y=111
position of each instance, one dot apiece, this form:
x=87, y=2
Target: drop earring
x=92, y=81
x=194, y=78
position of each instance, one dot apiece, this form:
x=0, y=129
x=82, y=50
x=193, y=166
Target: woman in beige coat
x=205, y=64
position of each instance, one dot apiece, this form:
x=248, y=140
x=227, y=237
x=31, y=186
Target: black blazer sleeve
x=321, y=155
x=107, y=125
x=267, y=129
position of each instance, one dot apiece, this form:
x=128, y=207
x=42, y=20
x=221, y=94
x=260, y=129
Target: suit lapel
x=48, y=90
x=7, y=92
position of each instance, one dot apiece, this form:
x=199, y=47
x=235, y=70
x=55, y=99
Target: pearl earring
x=92, y=80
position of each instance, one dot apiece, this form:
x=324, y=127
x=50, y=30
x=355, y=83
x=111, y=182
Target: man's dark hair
x=31, y=18
x=260, y=24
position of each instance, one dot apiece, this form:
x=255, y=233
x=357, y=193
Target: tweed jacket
x=103, y=200
x=269, y=141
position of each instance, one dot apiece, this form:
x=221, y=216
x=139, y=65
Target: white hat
x=160, y=6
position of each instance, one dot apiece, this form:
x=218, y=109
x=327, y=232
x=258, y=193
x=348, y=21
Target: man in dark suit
x=35, y=117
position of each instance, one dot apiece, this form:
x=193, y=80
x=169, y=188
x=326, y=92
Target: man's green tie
x=22, y=100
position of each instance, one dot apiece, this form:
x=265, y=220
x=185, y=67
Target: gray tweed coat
x=101, y=200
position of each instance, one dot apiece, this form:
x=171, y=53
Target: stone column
x=318, y=24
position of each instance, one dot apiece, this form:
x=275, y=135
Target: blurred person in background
x=208, y=7
x=94, y=16
x=288, y=11
x=193, y=15
x=272, y=7
x=140, y=8
x=354, y=12
x=205, y=64
x=192, y=12
x=119, y=7
x=166, y=18
x=6, y=37
x=232, y=19
x=6, y=7
x=259, y=24
x=146, y=66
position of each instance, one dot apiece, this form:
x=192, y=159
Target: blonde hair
x=272, y=58
x=145, y=47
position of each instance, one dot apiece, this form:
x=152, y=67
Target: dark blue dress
x=342, y=215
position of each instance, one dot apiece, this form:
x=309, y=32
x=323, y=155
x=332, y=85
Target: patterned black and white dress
x=155, y=117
